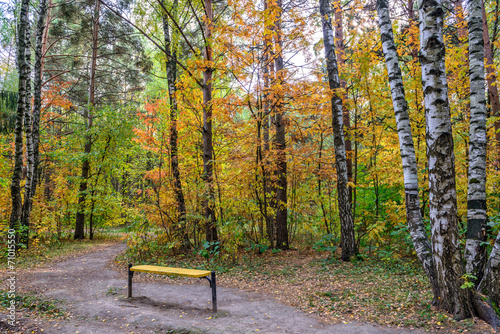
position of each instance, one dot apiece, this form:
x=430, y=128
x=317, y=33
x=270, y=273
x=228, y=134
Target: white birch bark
x=441, y=161
x=348, y=241
x=23, y=70
x=416, y=226
x=490, y=284
x=475, y=252
x=32, y=122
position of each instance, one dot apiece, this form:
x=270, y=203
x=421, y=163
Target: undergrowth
x=32, y=303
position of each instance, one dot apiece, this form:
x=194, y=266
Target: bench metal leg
x=213, y=284
x=130, y=275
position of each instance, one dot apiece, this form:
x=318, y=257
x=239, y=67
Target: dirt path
x=95, y=294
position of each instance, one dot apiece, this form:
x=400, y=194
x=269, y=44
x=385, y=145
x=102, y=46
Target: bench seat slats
x=171, y=271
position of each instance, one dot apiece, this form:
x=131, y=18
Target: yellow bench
x=209, y=275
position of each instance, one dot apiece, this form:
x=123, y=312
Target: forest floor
x=86, y=293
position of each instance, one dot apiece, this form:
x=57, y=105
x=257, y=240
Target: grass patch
x=32, y=303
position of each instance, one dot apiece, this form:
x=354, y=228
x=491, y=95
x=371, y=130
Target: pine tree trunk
x=441, y=161
x=348, y=241
x=171, y=68
x=209, y=196
x=475, y=251
x=280, y=141
x=32, y=123
x=491, y=78
x=82, y=195
x=416, y=225
x=23, y=70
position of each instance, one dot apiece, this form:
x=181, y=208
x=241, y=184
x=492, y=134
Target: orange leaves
x=55, y=95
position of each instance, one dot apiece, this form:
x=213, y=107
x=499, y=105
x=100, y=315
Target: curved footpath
x=95, y=294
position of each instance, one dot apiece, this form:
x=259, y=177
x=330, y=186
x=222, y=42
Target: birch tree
x=491, y=78
x=475, y=250
x=23, y=72
x=441, y=161
x=348, y=241
x=413, y=215
x=32, y=121
x=208, y=159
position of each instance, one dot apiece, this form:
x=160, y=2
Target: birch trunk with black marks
x=340, y=53
x=441, y=162
x=24, y=236
x=171, y=68
x=490, y=284
x=348, y=241
x=32, y=122
x=23, y=73
x=475, y=250
x=491, y=78
x=82, y=195
x=415, y=223
x=209, y=196
x=280, y=141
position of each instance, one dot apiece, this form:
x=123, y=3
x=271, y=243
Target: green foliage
x=327, y=243
x=469, y=280
x=8, y=104
x=209, y=250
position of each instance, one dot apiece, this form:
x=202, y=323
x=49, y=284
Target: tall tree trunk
x=171, y=68
x=441, y=160
x=475, y=251
x=414, y=220
x=491, y=78
x=32, y=122
x=280, y=139
x=23, y=71
x=82, y=195
x=24, y=236
x=268, y=73
x=340, y=53
x=490, y=284
x=45, y=36
x=348, y=241
x=209, y=197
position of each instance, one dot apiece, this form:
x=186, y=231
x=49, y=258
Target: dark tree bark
x=24, y=72
x=209, y=196
x=171, y=68
x=348, y=241
x=82, y=195
x=268, y=107
x=414, y=220
x=280, y=140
